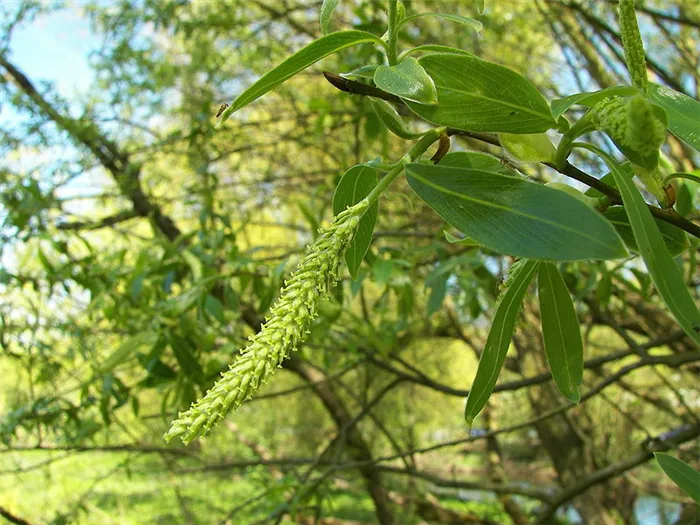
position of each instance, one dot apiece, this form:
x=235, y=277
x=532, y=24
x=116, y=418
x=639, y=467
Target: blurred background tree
x=140, y=248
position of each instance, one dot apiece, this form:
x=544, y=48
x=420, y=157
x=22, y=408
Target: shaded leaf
x=514, y=216
x=662, y=269
x=186, y=359
x=392, y=120
x=682, y=474
x=354, y=186
x=560, y=331
x=128, y=348
x=674, y=238
x=498, y=340
x=327, y=9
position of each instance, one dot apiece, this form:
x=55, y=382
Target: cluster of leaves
x=494, y=205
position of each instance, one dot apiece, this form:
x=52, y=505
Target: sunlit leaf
x=299, y=61
x=327, y=9
x=407, y=80
x=463, y=20
x=475, y=95
x=683, y=113
x=589, y=99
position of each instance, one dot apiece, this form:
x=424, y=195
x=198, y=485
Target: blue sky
x=55, y=47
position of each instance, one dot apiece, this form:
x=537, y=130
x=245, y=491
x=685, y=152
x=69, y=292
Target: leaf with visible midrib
x=514, y=216
x=354, y=186
x=327, y=9
x=683, y=113
x=475, y=95
x=682, y=474
x=561, y=333
x=589, y=99
x=674, y=238
x=498, y=340
x=660, y=265
x=407, y=80
x=299, y=61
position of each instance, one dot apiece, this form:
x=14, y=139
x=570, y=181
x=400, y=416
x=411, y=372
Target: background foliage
x=140, y=248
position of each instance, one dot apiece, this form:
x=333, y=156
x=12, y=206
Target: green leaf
x=466, y=21
x=674, y=238
x=475, y=95
x=514, y=216
x=354, y=186
x=434, y=48
x=662, y=269
x=361, y=72
x=392, y=120
x=589, y=99
x=464, y=241
x=682, y=474
x=327, y=9
x=127, y=349
x=683, y=113
x=194, y=263
x=535, y=147
x=437, y=282
x=299, y=61
x=186, y=359
x=215, y=308
x=560, y=331
x=498, y=340
x=480, y=6
x=407, y=80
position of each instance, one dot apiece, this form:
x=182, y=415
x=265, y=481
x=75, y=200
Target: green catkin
x=645, y=132
x=286, y=327
x=630, y=122
x=610, y=116
x=632, y=43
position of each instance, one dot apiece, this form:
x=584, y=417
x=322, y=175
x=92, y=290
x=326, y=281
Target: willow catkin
x=286, y=327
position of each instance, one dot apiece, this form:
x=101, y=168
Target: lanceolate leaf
x=662, y=269
x=434, y=48
x=407, y=80
x=470, y=22
x=392, y=120
x=299, y=61
x=533, y=147
x=498, y=341
x=560, y=331
x=682, y=474
x=355, y=185
x=683, y=113
x=128, y=348
x=674, y=238
x=475, y=95
x=560, y=106
x=511, y=215
x=327, y=9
